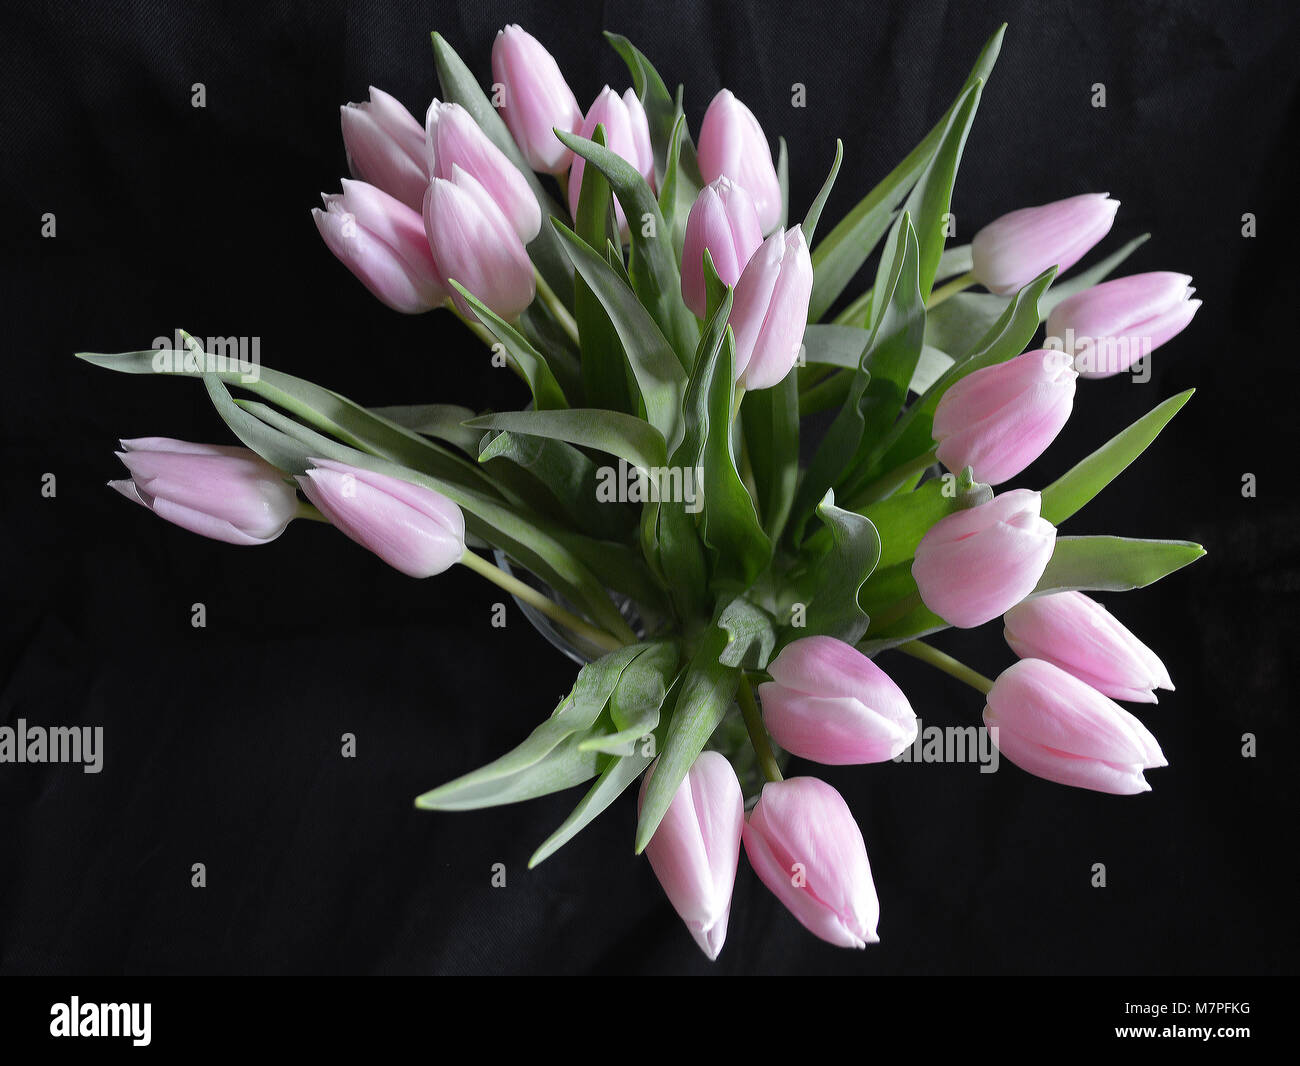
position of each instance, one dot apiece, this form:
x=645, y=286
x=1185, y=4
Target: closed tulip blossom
x=412, y=528
x=828, y=702
x=1001, y=418
x=627, y=134
x=770, y=309
x=473, y=243
x=696, y=848
x=1011, y=251
x=976, y=564
x=385, y=147
x=805, y=846
x=1078, y=634
x=1054, y=726
x=537, y=100
x=733, y=145
x=453, y=139
x=723, y=222
x=1110, y=326
x=226, y=493
x=382, y=241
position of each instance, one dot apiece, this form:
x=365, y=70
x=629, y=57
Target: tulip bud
x=974, y=565
x=723, y=222
x=382, y=241
x=453, y=139
x=1011, y=251
x=627, y=134
x=1111, y=326
x=732, y=144
x=805, y=846
x=474, y=244
x=413, y=529
x=538, y=101
x=696, y=848
x=1078, y=634
x=828, y=702
x=385, y=147
x=770, y=309
x=1001, y=418
x=222, y=492
x=1055, y=726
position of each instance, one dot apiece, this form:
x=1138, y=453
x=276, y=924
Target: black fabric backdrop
x=222, y=744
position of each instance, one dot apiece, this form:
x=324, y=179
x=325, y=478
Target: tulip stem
x=757, y=733
x=952, y=288
x=940, y=661
x=887, y=483
x=534, y=598
x=557, y=308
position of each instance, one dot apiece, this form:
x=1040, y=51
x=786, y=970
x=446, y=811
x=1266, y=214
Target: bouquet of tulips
x=649, y=507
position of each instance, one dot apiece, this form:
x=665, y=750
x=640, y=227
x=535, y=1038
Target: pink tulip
x=1112, y=325
x=385, y=147
x=733, y=145
x=978, y=563
x=1055, y=726
x=217, y=491
x=805, y=846
x=1078, y=634
x=627, y=134
x=538, y=100
x=723, y=222
x=770, y=309
x=382, y=241
x=413, y=529
x=473, y=243
x=453, y=139
x=696, y=848
x=1011, y=251
x=1001, y=418
x=828, y=702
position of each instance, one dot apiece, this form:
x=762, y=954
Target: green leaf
x=670, y=190
x=653, y=266
x=635, y=703
x=624, y=436
x=831, y=345
x=905, y=518
x=896, y=343
x=572, y=720
x=459, y=86
x=662, y=110
x=1113, y=564
x=1068, y=493
x=955, y=260
x=751, y=635
x=531, y=541
x=771, y=422
x=659, y=374
x=740, y=549
x=532, y=364
x=611, y=783
x=1010, y=335
x=815, y=212
x=961, y=322
x=604, y=367
x=832, y=581
x=441, y=420
x=564, y=766
x=705, y=694
x=842, y=252
x=928, y=203
x=327, y=411
x=565, y=477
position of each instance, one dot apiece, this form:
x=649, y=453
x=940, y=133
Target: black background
x=222, y=744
